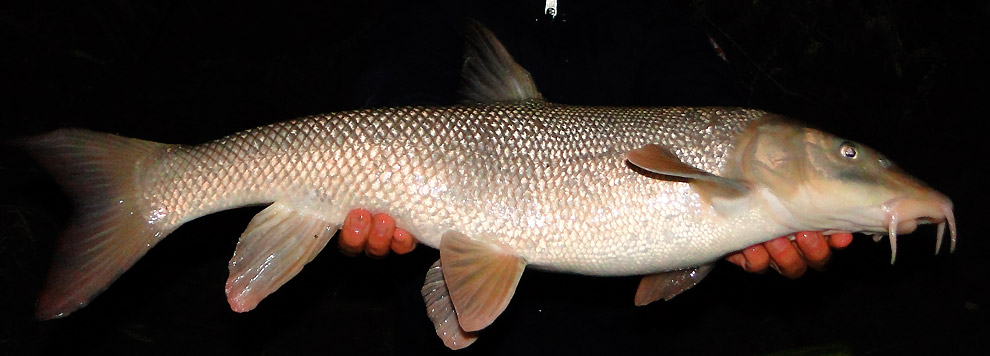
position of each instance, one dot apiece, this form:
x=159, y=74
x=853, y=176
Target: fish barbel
x=507, y=183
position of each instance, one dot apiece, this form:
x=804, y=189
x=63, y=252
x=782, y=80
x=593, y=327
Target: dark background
x=906, y=77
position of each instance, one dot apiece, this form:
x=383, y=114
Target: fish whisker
x=938, y=237
x=947, y=211
x=892, y=233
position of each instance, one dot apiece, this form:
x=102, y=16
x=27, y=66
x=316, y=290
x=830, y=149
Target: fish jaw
x=865, y=209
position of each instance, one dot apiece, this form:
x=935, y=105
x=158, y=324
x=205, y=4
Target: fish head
x=817, y=181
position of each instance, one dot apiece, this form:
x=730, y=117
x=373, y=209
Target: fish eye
x=848, y=150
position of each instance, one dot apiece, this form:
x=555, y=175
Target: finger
x=354, y=232
x=785, y=258
x=840, y=240
x=380, y=239
x=402, y=242
x=813, y=246
x=737, y=258
x=757, y=259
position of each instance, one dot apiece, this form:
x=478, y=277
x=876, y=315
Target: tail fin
x=110, y=228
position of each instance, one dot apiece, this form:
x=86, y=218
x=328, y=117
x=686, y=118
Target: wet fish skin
x=565, y=199
x=548, y=181
x=508, y=183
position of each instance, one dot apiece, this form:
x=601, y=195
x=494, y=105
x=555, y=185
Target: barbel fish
x=506, y=183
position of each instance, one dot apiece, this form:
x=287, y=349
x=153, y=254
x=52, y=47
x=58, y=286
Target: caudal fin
x=110, y=228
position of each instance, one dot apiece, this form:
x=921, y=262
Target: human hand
x=791, y=258
x=376, y=235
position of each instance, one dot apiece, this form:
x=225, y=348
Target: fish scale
x=509, y=183
x=561, y=181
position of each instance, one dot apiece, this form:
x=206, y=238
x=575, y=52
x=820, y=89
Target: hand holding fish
x=374, y=234
x=377, y=234
x=791, y=258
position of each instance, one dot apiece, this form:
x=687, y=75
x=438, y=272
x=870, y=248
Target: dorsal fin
x=489, y=73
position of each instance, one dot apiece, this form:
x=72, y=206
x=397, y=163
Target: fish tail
x=110, y=228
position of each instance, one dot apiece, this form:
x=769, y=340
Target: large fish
x=508, y=183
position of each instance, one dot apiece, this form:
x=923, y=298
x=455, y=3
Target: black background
x=906, y=77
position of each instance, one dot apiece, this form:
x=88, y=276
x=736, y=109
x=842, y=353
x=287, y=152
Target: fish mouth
x=904, y=214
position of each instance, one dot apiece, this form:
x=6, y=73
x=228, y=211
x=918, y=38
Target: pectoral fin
x=480, y=276
x=664, y=164
x=276, y=245
x=668, y=285
x=441, y=311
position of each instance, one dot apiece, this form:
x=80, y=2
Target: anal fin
x=668, y=285
x=440, y=309
x=276, y=245
x=481, y=278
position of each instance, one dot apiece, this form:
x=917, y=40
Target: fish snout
x=904, y=214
